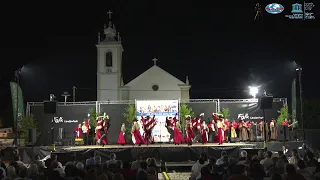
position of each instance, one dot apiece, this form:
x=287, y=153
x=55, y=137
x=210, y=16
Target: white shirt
x=196, y=170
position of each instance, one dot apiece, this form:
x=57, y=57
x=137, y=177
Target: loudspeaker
x=50, y=107
x=32, y=136
x=265, y=102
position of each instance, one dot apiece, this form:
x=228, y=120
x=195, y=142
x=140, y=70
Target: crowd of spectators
x=263, y=166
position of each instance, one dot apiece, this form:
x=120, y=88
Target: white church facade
x=155, y=83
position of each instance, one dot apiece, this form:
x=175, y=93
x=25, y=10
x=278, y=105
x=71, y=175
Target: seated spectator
x=212, y=164
x=291, y=173
x=295, y=158
x=239, y=172
x=303, y=171
x=153, y=164
x=205, y=174
x=112, y=159
x=18, y=160
x=97, y=160
x=196, y=169
x=276, y=176
x=256, y=169
x=136, y=164
x=117, y=176
x=221, y=160
x=127, y=172
x=243, y=158
x=11, y=172
x=267, y=161
x=152, y=173
x=90, y=161
x=142, y=175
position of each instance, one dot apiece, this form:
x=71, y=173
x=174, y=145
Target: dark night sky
x=218, y=46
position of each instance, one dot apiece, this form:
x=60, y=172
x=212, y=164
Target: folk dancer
x=273, y=130
x=86, y=130
x=234, y=126
x=227, y=130
x=285, y=126
x=221, y=127
x=122, y=137
x=100, y=130
x=293, y=127
x=244, y=131
x=148, y=124
x=264, y=129
x=79, y=133
x=253, y=131
x=196, y=124
x=204, y=133
x=169, y=127
x=178, y=137
x=106, y=126
x=189, y=133
x=136, y=135
x=212, y=130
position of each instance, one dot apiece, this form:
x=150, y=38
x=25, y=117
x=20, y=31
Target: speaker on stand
x=265, y=102
x=50, y=107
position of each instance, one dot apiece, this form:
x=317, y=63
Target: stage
x=165, y=152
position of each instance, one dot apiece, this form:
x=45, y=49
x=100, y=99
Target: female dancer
x=234, y=126
x=178, y=137
x=221, y=127
x=244, y=131
x=204, y=133
x=189, y=133
x=122, y=138
x=100, y=131
x=136, y=133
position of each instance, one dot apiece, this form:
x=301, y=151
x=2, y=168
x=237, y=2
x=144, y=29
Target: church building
x=153, y=84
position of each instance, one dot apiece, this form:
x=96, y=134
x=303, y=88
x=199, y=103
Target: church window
x=155, y=87
x=109, y=59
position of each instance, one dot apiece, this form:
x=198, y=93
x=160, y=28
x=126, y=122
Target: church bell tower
x=109, y=65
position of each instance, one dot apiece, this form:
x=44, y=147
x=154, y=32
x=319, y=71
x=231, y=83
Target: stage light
x=253, y=91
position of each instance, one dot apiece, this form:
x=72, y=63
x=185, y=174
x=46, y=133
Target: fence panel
x=67, y=117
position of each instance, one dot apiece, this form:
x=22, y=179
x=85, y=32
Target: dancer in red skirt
x=122, y=138
x=136, y=134
x=99, y=129
x=190, y=133
x=220, y=126
x=204, y=133
x=178, y=137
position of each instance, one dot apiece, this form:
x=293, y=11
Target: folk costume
x=122, y=137
x=137, y=138
x=100, y=130
x=86, y=130
x=190, y=134
x=227, y=135
x=234, y=126
x=148, y=125
x=221, y=127
x=204, y=133
x=244, y=131
x=79, y=132
x=273, y=130
x=252, y=131
x=285, y=126
x=264, y=128
x=169, y=126
x=212, y=131
x=196, y=123
x=178, y=137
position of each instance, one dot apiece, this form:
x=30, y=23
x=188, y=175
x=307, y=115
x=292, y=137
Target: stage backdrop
x=204, y=107
x=115, y=112
x=161, y=109
x=67, y=117
x=252, y=111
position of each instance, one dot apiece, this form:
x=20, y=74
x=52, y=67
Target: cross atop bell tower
x=154, y=61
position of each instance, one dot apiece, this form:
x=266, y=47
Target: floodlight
x=253, y=91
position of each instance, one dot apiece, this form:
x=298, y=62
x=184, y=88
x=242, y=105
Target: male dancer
x=196, y=123
x=85, y=130
x=221, y=127
x=169, y=126
x=227, y=130
x=212, y=130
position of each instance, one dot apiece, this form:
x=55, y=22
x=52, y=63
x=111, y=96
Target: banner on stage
x=160, y=109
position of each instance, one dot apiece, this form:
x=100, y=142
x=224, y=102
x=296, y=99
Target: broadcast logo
x=274, y=8
x=300, y=11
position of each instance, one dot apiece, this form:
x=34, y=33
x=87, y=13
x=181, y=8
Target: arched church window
x=109, y=59
x=155, y=87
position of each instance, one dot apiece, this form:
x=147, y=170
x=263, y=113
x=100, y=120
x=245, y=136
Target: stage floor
x=77, y=148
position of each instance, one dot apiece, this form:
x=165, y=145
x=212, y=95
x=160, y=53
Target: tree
x=130, y=115
x=225, y=112
x=93, y=118
x=284, y=114
x=184, y=111
x=28, y=122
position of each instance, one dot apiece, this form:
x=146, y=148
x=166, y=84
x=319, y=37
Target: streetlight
x=65, y=95
x=17, y=113
x=253, y=91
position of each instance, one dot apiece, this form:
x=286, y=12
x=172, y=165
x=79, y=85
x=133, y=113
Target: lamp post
x=65, y=95
x=253, y=91
x=17, y=78
x=299, y=70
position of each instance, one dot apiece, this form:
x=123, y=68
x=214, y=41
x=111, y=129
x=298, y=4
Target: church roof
x=155, y=71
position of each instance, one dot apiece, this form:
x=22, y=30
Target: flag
x=294, y=99
x=17, y=102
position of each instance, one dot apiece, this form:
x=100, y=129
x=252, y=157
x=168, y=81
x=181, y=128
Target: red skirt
x=138, y=138
x=220, y=135
x=178, y=137
x=122, y=138
x=204, y=135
